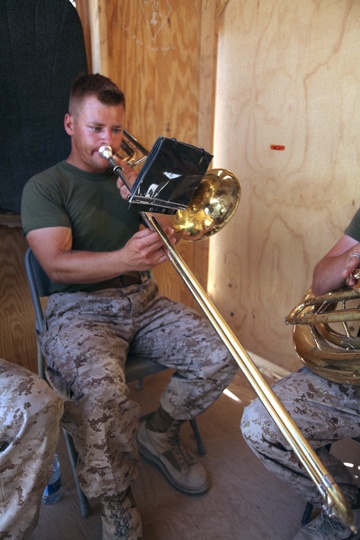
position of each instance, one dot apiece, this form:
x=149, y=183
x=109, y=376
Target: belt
x=125, y=280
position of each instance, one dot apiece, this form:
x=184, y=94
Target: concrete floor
x=245, y=501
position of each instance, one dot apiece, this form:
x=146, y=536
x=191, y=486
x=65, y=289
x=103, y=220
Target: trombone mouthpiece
x=106, y=152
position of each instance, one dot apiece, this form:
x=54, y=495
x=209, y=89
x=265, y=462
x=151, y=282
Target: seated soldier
x=324, y=411
x=88, y=241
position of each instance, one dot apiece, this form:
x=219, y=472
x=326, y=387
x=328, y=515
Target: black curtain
x=41, y=51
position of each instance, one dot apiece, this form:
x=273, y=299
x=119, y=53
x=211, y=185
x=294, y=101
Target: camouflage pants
x=86, y=340
x=325, y=412
x=30, y=413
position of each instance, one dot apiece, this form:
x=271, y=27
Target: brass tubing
x=298, y=315
x=323, y=348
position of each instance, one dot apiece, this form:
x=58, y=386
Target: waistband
x=125, y=280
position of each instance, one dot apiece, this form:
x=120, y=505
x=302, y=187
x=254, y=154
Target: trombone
x=188, y=224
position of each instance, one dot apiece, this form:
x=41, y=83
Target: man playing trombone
x=324, y=410
x=88, y=241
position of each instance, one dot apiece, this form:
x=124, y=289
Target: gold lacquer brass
x=211, y=207
x=325, y=334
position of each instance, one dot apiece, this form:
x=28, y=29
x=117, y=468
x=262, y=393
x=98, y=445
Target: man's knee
x=54, y=404
x=254, y=423
x=49, y=398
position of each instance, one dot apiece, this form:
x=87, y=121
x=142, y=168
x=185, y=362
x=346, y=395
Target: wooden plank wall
x=288, y=74
x=162, y=56
x=17, y=338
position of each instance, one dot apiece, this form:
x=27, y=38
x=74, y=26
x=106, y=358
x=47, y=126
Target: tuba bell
x=326, y=334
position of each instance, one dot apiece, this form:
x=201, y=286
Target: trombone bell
x=211, y=207
x=213, y=204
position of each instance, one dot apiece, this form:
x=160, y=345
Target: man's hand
x=143, y=251
x=130, y=177
x=332, y=271
x=353, y=264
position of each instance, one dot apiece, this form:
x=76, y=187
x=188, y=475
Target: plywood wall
x=17, y=321
x=160, y=53
x=288, y=75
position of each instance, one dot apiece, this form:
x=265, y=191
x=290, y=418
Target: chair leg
x=84, y=503
x=307, y=514
x=199, y=442
x=306, y=517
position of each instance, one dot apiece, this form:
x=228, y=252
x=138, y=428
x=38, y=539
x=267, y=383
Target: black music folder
x=168, y=179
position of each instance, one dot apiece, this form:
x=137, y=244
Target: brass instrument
x=212, y=206
x=325, y=334
x=335, y=502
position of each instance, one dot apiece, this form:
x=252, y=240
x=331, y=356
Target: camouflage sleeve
x=30, y=413
x=353, y=229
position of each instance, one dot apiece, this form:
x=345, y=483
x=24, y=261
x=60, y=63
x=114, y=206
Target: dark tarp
x=41, y=51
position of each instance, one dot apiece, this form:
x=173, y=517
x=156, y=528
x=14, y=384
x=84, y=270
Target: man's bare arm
x=53, y=248
x=331, y=271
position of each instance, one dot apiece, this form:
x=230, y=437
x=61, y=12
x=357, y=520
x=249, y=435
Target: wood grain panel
x=17, y=343
x=288, y=75
x=154, y=56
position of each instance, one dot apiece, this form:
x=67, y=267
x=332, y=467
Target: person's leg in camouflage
x=86, y=343
x=179, y=338
x=30, y=415
x=324, y=412
x=86, y=356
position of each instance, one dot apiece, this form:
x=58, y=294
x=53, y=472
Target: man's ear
x=69, y=124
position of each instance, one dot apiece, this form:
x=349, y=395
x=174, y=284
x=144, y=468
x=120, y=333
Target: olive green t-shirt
x=353, y=229
x=89, y=204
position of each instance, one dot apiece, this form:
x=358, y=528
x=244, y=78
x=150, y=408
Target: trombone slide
x=335, y=502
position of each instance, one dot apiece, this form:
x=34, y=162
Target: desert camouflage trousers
x=86, y=339
x=30, y=413
x=325, y=412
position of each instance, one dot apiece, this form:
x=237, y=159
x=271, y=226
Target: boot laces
x=329, y=525
x=183, y=457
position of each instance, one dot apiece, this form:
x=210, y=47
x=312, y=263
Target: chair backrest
x=39, y=284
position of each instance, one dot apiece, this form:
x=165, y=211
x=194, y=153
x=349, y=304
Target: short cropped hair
x=94, y=84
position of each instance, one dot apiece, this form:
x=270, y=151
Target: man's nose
x=107, y=137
